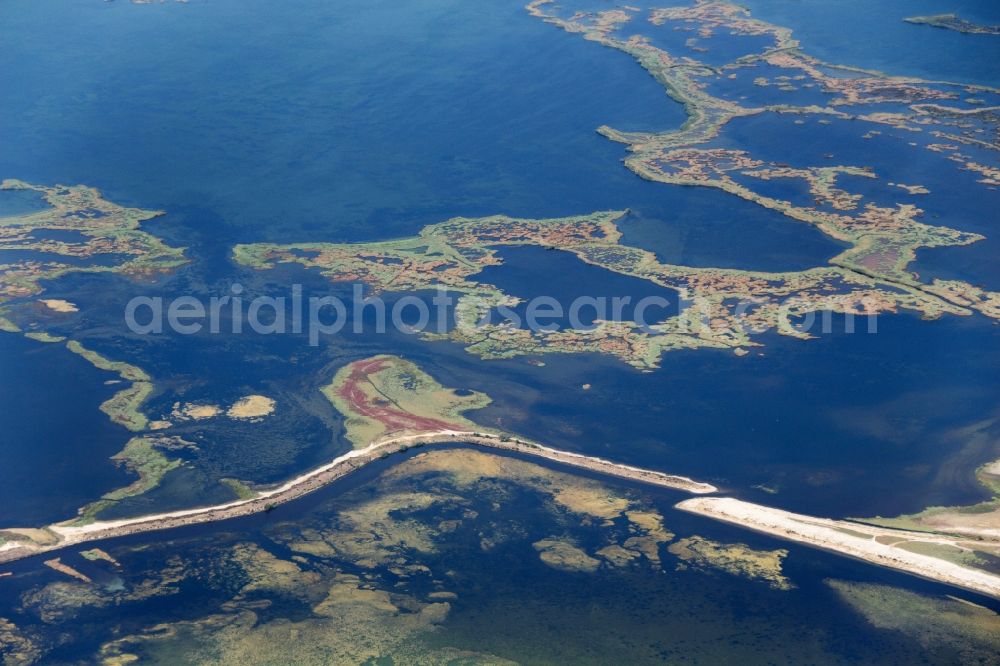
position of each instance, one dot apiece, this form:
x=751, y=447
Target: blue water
x=20, y=202
x=361, y=123
x=730, y=233
x=250, y=122
x=844, y=425
x=956, y=199
x=873, y=35
x=55, y=441
x=476, y=109
x=358, y=121
x=574, y=292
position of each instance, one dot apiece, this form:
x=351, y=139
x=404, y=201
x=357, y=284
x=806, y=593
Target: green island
x=386, y=394
x=124, y=406
x=44, y=336
x=686, y=80
x=956, y=23
x=78, y=226
x=883, y=240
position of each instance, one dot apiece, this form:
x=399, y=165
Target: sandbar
x=877, y=545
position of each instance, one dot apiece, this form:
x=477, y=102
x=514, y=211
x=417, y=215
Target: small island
x=956, y=23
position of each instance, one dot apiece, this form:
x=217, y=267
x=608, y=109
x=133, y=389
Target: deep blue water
x=539, y=275
x=55, y=441
x=362, y=123
x=842, y=425
x=333, y=137
x=730, y=233
x=20, y=202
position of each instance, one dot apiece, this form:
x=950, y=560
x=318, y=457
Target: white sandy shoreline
x=836, y=536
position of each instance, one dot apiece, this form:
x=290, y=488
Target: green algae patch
x=634, y=533
x=128, y=372
x=376, y=562
x=7, y=326
x=734, y=558
x=948, y=627
x=240, y=489
x=973, y=526
x=67, y=601
x=142, y=455
x=563, y=554
x=44, y=336
x=124, y=406
x=59, y=305
x=17, y=646
x=372, y=566
x=251, y=407
x=98, y=555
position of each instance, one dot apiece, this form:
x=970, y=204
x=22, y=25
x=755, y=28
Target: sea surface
x=304, y=121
